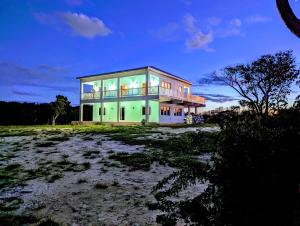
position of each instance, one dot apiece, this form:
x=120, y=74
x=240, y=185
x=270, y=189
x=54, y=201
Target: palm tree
x=288, y=16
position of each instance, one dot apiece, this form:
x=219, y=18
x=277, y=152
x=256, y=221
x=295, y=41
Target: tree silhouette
x=265, y=83
x=59, y=107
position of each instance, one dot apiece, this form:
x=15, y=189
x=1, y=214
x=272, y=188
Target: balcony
x=135, y=92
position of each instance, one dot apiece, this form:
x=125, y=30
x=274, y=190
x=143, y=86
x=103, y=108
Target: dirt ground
x=105, y=192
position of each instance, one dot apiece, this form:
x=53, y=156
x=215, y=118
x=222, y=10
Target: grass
x=100, y=185
x=134, y=161
x=59, y=138
x=45, y=144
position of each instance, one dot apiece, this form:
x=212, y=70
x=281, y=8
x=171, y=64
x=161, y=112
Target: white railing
x=141, y=91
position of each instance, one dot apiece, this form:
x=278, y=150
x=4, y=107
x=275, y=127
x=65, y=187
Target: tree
x=59, y=107
x=265, y=83
x=288, y=16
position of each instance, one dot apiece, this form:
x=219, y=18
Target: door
x=122, y=113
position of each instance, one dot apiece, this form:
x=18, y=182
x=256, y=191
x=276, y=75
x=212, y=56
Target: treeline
x=16, y=113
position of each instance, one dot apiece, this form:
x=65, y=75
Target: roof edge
x=135, y=69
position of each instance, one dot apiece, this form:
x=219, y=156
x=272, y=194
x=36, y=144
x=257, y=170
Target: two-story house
x=134, y=95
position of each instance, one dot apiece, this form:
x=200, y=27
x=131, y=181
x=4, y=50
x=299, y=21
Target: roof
x=135, y=69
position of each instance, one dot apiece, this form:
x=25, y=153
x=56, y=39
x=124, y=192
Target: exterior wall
x=96, y=116
x=111, y=112
x=133, y=110
x=171, y=118
x=175, y=84
x=154, y=116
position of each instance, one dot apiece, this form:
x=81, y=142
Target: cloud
x=86, y=26
x=81, y=24
x=197, y=39
x=214, y=21
x=232, y=28
x=258, y=19
x=23, y=93
x=208, y=79
x=168, y=33
x=42, y=77
x=200, y=40
x=217, y=98
x=236, y=22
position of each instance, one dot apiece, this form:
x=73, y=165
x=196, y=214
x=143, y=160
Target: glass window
x=165, y=110
x=166, y=85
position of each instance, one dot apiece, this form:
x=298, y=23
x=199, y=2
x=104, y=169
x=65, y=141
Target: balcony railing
x=153, y=90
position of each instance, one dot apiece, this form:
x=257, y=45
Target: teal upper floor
x=132, y=83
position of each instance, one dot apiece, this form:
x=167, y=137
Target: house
x=135, y=95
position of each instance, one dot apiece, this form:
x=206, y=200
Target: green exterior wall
x=96, y=116
x=111, y=112
x=133, y=110
x=154, y=116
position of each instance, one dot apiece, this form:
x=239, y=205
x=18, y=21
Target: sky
x=45, y=45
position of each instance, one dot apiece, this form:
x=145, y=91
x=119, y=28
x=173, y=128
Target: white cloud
x=200, y=40
x=232, y=28
x=86, y=26
x=214, y=21
x=81, y=24
x=197, y=39
x=258, y=19
x=236, y=22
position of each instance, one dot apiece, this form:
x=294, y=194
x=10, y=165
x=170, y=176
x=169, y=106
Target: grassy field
x=42, y=166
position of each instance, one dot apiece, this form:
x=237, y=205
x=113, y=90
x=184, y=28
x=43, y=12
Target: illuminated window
x=166, y=85
x=177, y=111
x=180, y=89
x=165, y=110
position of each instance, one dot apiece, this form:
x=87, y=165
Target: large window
x=177, y=111
x=166, y=85
x=165, y=110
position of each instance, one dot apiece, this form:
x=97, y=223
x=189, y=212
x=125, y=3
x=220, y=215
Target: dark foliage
x=263, y=84
x=16, y=113
x=254, y=179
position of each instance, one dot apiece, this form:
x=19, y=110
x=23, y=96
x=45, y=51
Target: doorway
x=122, y=113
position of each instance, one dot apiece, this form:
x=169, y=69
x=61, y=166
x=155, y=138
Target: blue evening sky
x=44, y=45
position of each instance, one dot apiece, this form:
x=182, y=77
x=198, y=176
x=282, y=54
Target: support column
x=101, y=103
x=196, y=111
x=80, y=105
x=189, y=110
x=118, y=103
x=80, y=112
x=147, y=97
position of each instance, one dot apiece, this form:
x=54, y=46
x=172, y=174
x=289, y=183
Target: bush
x=253, y=180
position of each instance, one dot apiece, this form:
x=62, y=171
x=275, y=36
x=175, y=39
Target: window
x=100, y=111
x=144, y=111
x=104, y=111
x=180, y=89
x=166, y=85
x=122, y=113
x=165, y=110
x=177, y=111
